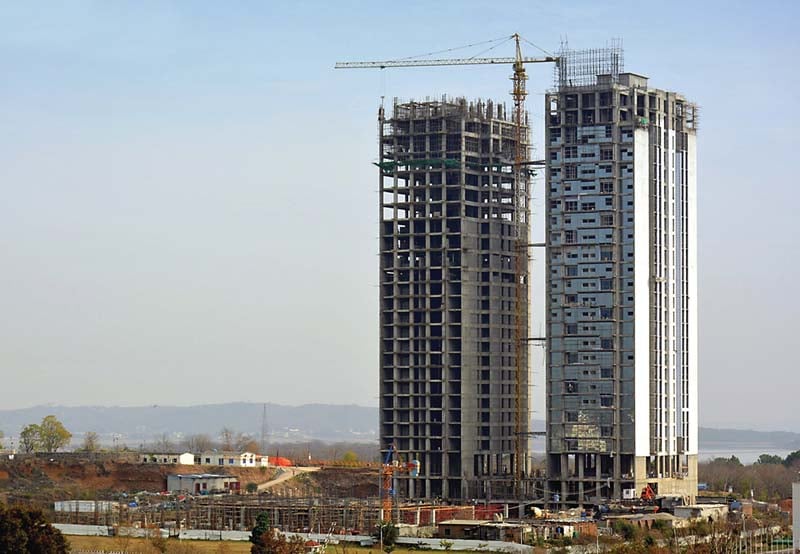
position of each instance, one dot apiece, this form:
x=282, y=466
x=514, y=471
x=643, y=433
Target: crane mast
x=521, y=186
x=519, y=93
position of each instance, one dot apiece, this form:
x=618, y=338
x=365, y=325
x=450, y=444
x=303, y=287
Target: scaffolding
x=353, y=516
x=309, y=514
x=581, y=68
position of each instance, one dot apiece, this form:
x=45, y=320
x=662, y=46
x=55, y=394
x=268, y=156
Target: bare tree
x=164, y=443
x=198, y=443
x=227, y=438
x=91, y=442
x=248, y=444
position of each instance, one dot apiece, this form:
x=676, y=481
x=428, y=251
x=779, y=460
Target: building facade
x=237, y=459
x=202, y=483
x=449, y=222
x=621, y=286
x=178, y=458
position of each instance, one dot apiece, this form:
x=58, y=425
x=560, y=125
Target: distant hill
x=326, y=422
x=143, y=423
x=784, y=440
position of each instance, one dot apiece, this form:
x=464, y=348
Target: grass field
x=174, y=546
x=144, y=546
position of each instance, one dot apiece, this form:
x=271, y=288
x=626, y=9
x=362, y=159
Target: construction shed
x=461, y=528
x=202, y=483
x=484, y=530
x=173, y=458
x=711, y=512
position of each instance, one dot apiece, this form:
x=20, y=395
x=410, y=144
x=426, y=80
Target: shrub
x=628, y=531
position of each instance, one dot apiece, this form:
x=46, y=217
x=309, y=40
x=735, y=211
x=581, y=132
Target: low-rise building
x=557, y=528
x=174, y=458
x=235, y=459
x=460, y=528
x=646, y=521
x=709, y=512
x=202, y=483
x=484, y=530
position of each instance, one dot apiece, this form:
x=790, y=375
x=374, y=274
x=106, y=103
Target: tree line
x=769, y=478
x=50, y=435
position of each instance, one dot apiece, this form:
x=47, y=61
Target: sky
x=189, y=207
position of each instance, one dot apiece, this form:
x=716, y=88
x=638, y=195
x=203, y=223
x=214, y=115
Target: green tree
x=1, y=439
x=251, y=488
x=29, y=439
x=261, y=528
x=27, y=530
x=792, y=459
x=628, y=531
x=769, y=459
x=349, y=457
x=387, y=532
x=52, y=434
x=269, y=541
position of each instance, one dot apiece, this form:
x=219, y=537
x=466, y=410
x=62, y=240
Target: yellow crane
x=521, y=178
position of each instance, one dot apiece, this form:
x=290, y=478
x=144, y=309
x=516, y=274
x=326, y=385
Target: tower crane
x=388, y=469
x=521, y=179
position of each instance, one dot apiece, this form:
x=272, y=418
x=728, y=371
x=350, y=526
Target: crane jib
x=421, y=63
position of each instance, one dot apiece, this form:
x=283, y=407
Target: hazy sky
x=189, y=210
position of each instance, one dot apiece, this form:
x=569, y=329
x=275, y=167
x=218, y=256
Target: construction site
x=619, y=174
x=335, y=504
x=105, y=493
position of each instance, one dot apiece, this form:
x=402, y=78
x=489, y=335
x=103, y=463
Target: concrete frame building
x=447, y=294
x=621, y=284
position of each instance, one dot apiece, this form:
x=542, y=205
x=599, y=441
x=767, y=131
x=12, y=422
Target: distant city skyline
x=189, y=192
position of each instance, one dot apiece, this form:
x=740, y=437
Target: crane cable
x=537, y=47
x=456, y=48
x=491, y=48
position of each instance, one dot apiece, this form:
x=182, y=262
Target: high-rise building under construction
x=452, y=214
x=621, y=284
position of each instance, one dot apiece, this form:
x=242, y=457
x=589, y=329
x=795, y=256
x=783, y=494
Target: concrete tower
x=621, y=284
x=448, y=226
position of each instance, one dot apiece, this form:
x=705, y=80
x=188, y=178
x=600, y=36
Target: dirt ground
x=332, y=483
x=46, y=480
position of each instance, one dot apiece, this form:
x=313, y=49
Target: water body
x=747, y=454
